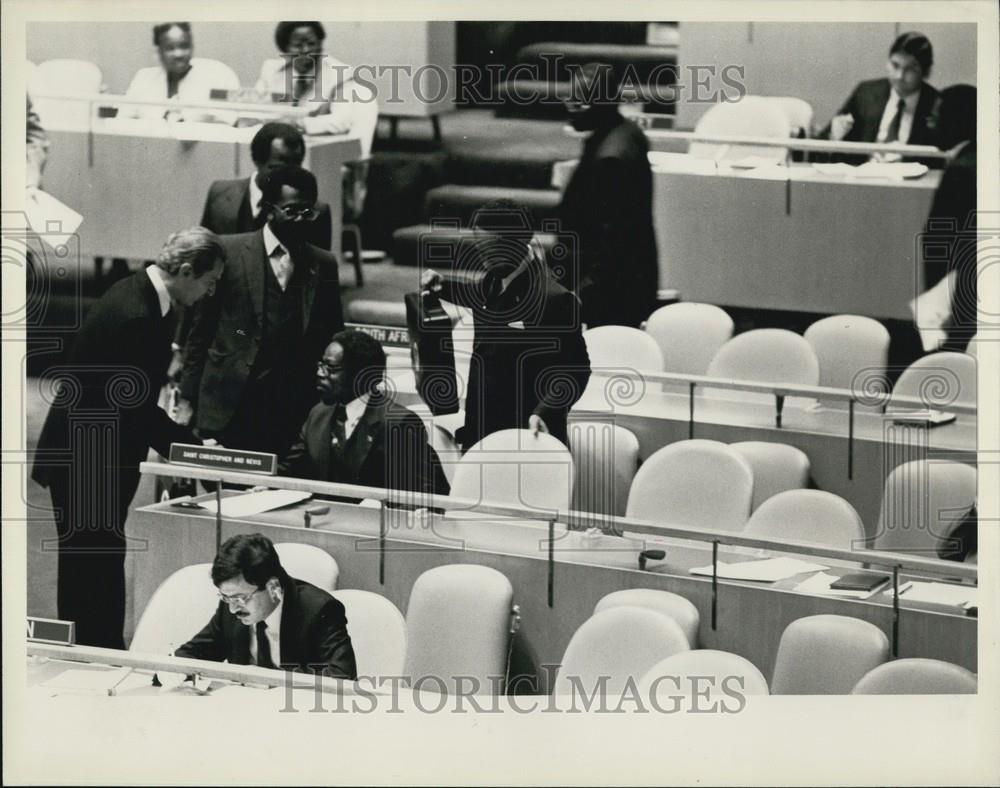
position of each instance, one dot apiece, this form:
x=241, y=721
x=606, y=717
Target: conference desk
x=851, y=465
x=556, y=590
x=790, y=238
x=135, y=182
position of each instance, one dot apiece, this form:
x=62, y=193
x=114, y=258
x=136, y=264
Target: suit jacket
x=608, y=205
x=117, y=368
x=866, y=104
x=528, y=355
x=228, y=211
x=388, y=448
x=313, y=637
x=226, y=331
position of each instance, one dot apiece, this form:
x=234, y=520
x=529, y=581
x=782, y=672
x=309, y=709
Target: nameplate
x=393, y=336
x=49, y=630
x=224, y=459
x=246, y=96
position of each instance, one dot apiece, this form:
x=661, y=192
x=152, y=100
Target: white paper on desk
x=257, y=502
x=931, y=310
x=51, y=219
x=837, y=168
x=770, y=570
x=81, y=680
x=819, y=583
x=940, y=593
x=666, y=161
x=895, y=171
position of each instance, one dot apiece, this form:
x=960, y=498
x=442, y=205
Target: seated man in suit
x=235, y=206
x=268, y=618
x=252, y=351
x=898, y=108
x=357, y=434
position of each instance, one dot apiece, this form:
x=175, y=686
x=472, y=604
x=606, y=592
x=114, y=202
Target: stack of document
x=256, y=502
x=770, y=570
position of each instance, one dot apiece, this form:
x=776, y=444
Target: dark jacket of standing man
x=608, y=206
x=357, y=434
x=104, y=418
x=267, y=618
x=233, y=206
x=529, y=361
x=252, y=351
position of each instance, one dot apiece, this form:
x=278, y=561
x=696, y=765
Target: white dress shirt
x=906, y=122
x=281, y=262
x=355, y=410
x=255, y=196
x=273, y=623
x=161, y=289
x=195, y=86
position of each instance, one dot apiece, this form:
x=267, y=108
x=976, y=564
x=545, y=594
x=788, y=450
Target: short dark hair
x=364, y=358
x=956, y=111
x=197, y=246
x=605, y=84
x=505, y=218
x=260, y=146
x=298, y=178
x=161, y=29
x=283, y=32
x=918, y=46
x=250, y=555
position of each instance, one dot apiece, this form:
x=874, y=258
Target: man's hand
x=430, y=280
x=210, y=442
x=184, y=413
x=537, y=425
x=841, y=126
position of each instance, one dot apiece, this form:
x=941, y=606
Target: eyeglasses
x=293, y=213
x=239, y=599
x=329, y=369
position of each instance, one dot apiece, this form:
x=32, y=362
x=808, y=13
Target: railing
x=621, y=526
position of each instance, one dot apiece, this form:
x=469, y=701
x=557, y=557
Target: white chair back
x=922, y=502
x=764, y=355
x=689, y=335
x=458, y=623
x=826, y=655
x=618, y=347
x=177, y=611
x=798, y=111
x=516, y=468
x=776, y=467
x=812, y=516
x=717, y=673
x=853, y=352
x=917, y=676
x=939, y=379
x=672, y=605
x=310, y=563
x=377, y=630
x=64, y=77
x=699, y=483
x=752, y=116
x=605, y=458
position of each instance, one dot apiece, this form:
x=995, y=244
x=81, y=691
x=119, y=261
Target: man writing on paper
x=103, y=420
x=357, y=434
x=267, y=618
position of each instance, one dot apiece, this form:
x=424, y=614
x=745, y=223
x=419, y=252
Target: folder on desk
x=940, y=594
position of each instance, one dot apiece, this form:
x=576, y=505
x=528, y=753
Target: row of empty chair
x=459, y=624
x=842, y=351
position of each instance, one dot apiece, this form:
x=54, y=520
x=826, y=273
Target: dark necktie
x=338, y=439
x=263, y=647
x=893, y=135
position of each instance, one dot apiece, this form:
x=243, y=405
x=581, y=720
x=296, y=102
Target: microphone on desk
x=646, y=555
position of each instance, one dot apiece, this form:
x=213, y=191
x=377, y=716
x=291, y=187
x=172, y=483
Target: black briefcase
x=432, y=352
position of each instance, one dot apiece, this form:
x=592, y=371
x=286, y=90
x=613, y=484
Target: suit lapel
x=359, y=445
x=924, y=108
x=319, y=438
x=241, y=642
x=309, y=278
x=290, y=626
x=238, y=204
x=254, y=258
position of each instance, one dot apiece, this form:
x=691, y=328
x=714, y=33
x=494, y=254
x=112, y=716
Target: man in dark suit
x=357, y=434
x=103, y=420
x=899, y=108
x=234, y=206
x=608, y=205
x=268, y=618
x=529, y=361
x=252, y=350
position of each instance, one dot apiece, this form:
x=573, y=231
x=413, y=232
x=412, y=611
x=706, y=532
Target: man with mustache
x=251, y=354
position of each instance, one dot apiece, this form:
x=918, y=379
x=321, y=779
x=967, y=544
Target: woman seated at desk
x=179, y=78
x=898, y=108
x=306, y=77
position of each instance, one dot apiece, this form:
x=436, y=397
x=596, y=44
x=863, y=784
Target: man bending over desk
x=268, y=618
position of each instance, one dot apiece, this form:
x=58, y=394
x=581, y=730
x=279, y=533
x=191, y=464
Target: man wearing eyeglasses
x=252, y=350
x=267, y=618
